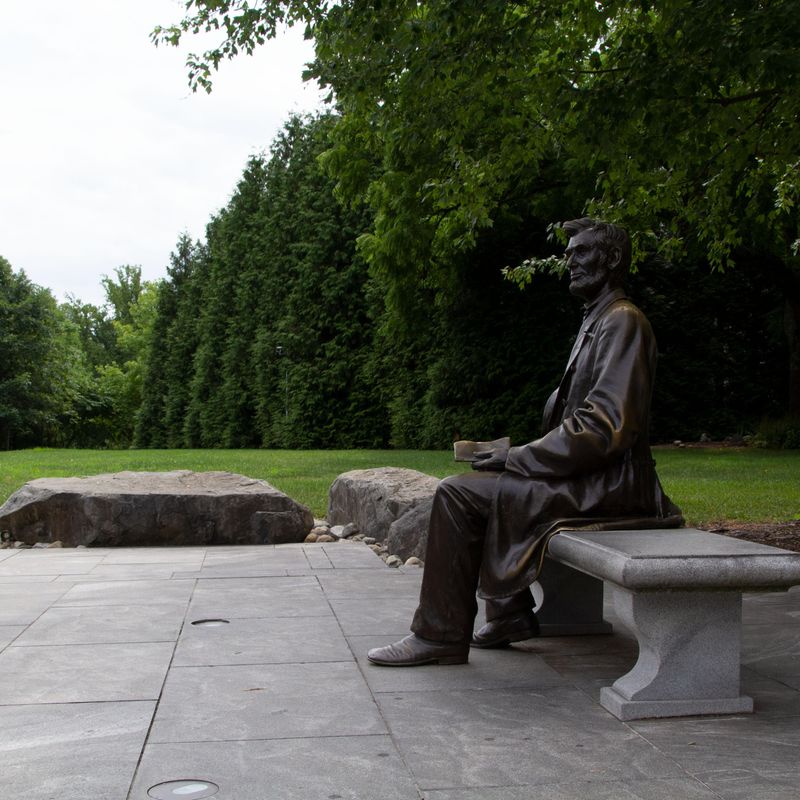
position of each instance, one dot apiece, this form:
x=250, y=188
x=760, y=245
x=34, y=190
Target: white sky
x=106, y=156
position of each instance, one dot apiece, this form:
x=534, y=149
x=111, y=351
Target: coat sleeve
x=610, y=412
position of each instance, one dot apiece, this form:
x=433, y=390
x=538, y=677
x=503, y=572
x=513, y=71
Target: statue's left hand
x=491, y=460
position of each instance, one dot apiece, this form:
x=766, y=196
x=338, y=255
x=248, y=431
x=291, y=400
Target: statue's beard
x=588, y=284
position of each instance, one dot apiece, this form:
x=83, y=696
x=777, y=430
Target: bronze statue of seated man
x=591, y=468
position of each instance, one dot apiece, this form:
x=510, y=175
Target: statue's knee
x=449, y=488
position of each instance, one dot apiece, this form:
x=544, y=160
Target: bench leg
x=689, y=655
x=572, y=602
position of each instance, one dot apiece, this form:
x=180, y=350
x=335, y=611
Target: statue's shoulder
x=622, y=304
x=624, y=313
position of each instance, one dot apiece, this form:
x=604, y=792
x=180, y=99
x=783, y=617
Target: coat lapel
x=585, y=334
x=553, y=415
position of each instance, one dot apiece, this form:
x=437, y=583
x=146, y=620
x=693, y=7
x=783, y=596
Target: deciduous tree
x=677, y=119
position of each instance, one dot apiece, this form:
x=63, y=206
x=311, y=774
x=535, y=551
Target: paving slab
x=344, y=768
x=374, y=615
x=658, y=789
x=270, y=640
x=269, y=556
x=344, y=584
x=83, y=673
x=108, y=688
x=742, y=784
x=123, y=572
x=154, y=555
x=105, y=624
x=21, y=607
x=27, y=579
x=8, y=633
x=502, y=737
x=42, y=562
x=273, y=596
x=265, y=701
x=77, y=751
x=350, y=555
x=706, y=746
x=127, y=592
x=771, y=697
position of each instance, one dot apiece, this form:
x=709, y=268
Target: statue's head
x=598, y=255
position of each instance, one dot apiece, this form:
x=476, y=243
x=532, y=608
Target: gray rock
x=408, y=535
x=394, y=561
x=414, y=562
x=154, y=508
x=379, y=500
x=343, y=531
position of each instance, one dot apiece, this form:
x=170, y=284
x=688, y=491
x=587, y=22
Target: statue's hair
x=608, y=236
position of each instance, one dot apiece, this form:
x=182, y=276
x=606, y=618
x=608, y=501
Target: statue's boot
x=414, y=651
x=501, y=632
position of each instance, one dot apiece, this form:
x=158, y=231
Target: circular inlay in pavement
x=183, y=790
x=211, y=623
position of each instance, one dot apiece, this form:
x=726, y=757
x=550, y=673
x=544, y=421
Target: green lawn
x=749, y=485
x=708, y=484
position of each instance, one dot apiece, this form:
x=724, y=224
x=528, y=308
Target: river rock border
x=323, y=532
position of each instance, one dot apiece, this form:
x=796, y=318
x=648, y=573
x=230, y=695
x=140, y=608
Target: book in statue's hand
x=465, y=450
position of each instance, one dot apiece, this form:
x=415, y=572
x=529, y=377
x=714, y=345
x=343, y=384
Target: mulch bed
x=777, y=534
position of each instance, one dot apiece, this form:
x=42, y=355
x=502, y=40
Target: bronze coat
x=592, y=469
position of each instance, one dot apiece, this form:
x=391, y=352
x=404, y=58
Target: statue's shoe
x=413, y=651
x=501, y=632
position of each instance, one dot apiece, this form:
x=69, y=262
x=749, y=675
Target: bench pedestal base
x=689, y=655
x=624, y=709
x=572, y=602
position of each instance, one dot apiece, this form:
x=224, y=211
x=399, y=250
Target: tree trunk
x=787, y=280
x=792, y=327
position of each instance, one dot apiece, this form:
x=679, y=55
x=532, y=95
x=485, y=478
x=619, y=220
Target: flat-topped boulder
x=154, y=508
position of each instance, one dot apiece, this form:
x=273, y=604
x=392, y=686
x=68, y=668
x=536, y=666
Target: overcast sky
x=105, y=154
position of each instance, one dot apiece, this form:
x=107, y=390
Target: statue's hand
x=491, y=460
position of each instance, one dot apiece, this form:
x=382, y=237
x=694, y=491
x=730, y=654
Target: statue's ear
x=614, y=257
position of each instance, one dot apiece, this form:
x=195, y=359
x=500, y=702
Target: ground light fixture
x=186, y=789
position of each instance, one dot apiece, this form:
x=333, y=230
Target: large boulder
x=154, y=508
x=392, y=505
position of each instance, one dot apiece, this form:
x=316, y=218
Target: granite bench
x=680, y=592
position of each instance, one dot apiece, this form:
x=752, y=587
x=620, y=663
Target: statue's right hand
x=491, y=460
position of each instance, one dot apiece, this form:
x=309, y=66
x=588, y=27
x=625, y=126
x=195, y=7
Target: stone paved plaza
x=117, y=675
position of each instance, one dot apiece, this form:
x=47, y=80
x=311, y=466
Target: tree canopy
x=41, y=362
x=676, y=119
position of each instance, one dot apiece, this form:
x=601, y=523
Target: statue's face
x=588, y=266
